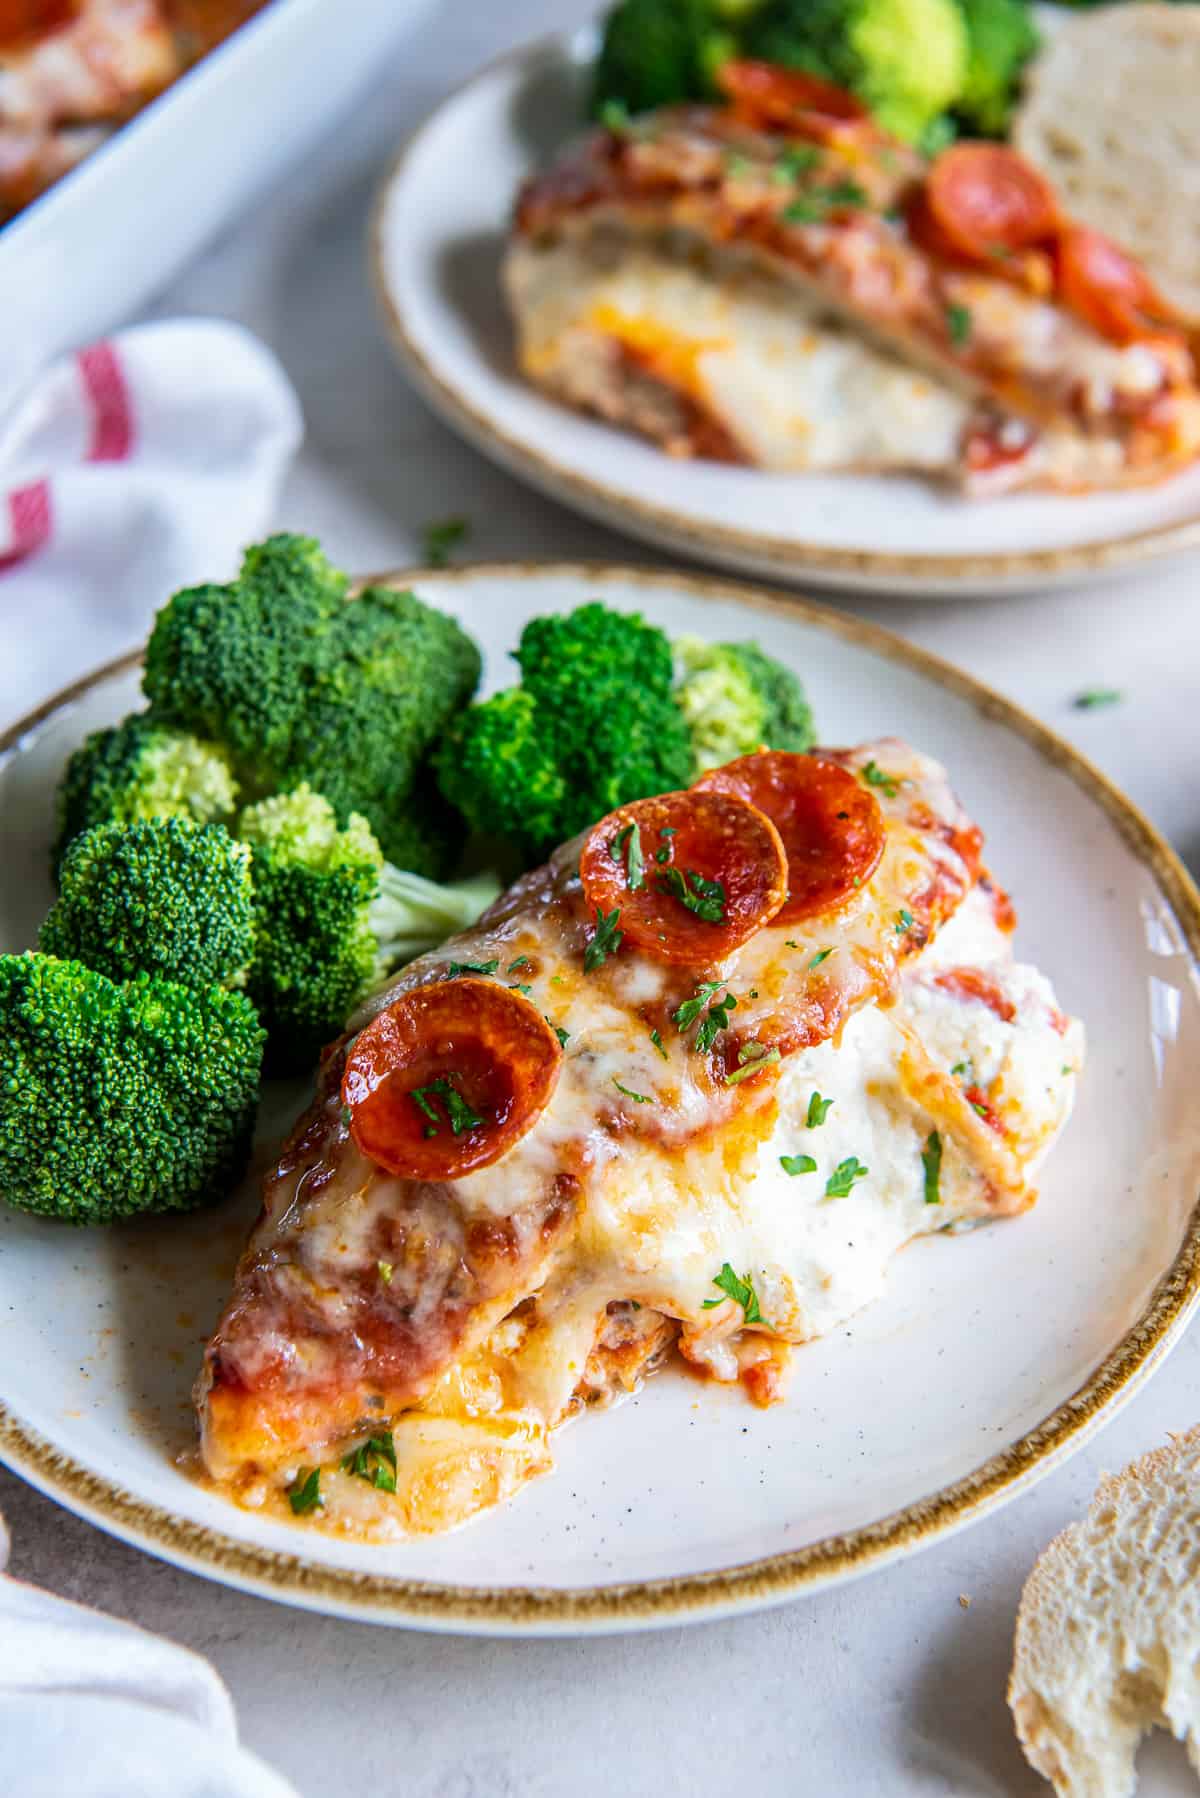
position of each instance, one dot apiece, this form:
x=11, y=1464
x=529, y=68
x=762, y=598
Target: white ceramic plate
x=991, y=1357
x=439, y=228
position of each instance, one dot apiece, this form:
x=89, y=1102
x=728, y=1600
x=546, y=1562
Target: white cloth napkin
x=138, y=465
x=100, y=1709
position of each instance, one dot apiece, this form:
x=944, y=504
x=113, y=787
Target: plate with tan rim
x=989, y=1358
x=436, y=242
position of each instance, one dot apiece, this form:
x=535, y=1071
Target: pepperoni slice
x=831, y=826
x=981, y=199
x=448, y=1078
x=765, y=94
x=692, y=875
x=1107, y=289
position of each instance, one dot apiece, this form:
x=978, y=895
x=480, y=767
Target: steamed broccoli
x=303, y=684
x=593, y=724
x=119, y=1099
x=330, y=918
x=735, y=699
x=1001, y=38
x=906, y=59
x=161, y=896
x=400, y=670
x=654, y=52
x=142, y=769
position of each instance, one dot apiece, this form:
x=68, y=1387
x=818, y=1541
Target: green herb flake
x=374, y=1461
x=797, y=1164
x=386, y=1270
x=441, y=538
x=458, y=1112
x=657, y=1040
x=454, y=969
x=690, y=1010
x=752, y=1057
x=818, y=1110
x=741, y=1291
x=638, y=1098
x=706, y=898
x=819, y=957
x=615, y=117
x=843, y=1177
x=514, y=967
x=796, y=160
x=627, y=846
x=604, y=941
x=931, y=1161
x=958, y=324
x=903, y=921
x=304, y=1494
x=1092, y=699
x=1065, y=1069
x=715, y=1020
x=875, y=776
x=961, y=1070
x=790, y=943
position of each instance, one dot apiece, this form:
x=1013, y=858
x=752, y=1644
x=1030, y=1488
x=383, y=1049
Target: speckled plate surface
x=440, y=226
x=990, y=1358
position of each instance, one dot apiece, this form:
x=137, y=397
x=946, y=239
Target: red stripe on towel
x=112, y=413
x=29, y=521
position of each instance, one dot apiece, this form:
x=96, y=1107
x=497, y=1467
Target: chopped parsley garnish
x=386, y=1270
x=1092, y=698
x=514, y=967
x=664, y=854
x=657, y=1040
x=818, y=1110
x=751, y=1057
x=875, y=776
x=691, y=1008
x=819, y=957
x=818, y=202
x=638, y=1098
x=797, y=159
x=564, y=1036
x=615, y=116
x=518, y=986
x=843, y=1177
x=797, y=1164
x=374, y=1461
x=704, y=897
x=903, y=920
x=605, y=940
x=627, y=846
x=931, y=1160
x=304, y=1494
x=737, y=164
x=790, y=943
x=741, y=1291
x=715, y=1020
x=1066, y=1069
x=961, y=1070
x=455, y=968
x=958, y=323
x=979, y=1108
x=458, y=1112
x=441, y=538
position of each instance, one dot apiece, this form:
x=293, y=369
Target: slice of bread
x=1112, y=115
x=1108, y=1634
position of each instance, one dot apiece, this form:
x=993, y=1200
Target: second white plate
x=439, y=230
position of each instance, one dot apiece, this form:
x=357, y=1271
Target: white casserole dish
x=96, y=245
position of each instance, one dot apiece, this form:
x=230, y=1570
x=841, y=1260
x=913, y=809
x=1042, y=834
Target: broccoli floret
x=655, y=52
x=119, y=1099
x=736, y=699
x=331, y=918
x=161, y=896
x=236, y=662
x=592, y=725
x=142, y=769
x=400, y=672
x=1001, y=38
x=907, y=59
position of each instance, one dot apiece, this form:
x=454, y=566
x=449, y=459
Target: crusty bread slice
x=1112, y=115
x=1108, y=1633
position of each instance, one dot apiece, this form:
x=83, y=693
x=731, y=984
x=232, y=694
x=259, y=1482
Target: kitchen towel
x=136, y=466
x=100, y=1709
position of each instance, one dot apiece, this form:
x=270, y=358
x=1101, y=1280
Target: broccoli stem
x=410, y=915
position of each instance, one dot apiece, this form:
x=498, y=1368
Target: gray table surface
x=886, y=1686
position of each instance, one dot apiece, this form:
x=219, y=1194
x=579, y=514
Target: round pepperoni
x=831, y=826
x=690, y=876
x=448, y=1078
x=1106, y=288
x=981, y=199
x=766, y=94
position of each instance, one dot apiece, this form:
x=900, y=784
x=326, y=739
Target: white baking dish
x=102, y=240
